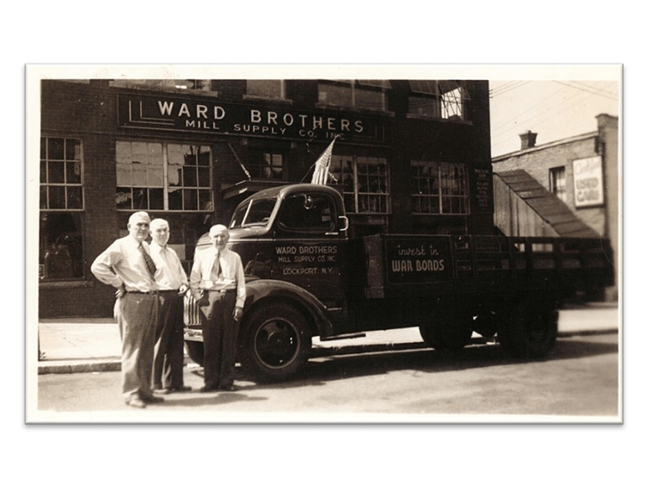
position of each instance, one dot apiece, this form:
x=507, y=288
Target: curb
x=113, y=364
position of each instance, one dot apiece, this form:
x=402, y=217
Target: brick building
x=582, y=172
x=409, y=157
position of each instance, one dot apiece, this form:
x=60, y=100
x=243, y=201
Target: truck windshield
x=256, y=212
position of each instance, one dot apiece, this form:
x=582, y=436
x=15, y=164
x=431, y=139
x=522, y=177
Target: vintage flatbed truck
x=306, y=278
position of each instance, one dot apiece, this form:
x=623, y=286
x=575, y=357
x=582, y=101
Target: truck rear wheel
x=530, y=330
x=276, y=342
x=447, y=335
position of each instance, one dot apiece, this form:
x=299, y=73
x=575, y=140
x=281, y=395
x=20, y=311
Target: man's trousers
x=168, y=352
x=219, y=338
x=137, y=318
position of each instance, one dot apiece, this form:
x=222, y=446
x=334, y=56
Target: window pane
x=156, y=201
x=72, y=149
x=139, y=175
x=60, y=246
x=123, y=152
x=57, y=197
x=155, y=176
x=43, y=202
x=189, y=176
x=43, y=171
x=335, y=94
x=73, y=173
x=75, y=197
x=203, y=156
x=175, y=199
x=124, y=175
x=190, y=200
x=43, y=148
x=140, y=199
x=264, y=88
x=204, y=177
x=373, y=99
x=205, y=200
x=55, y=149
x=123, y=198
x=55, y=172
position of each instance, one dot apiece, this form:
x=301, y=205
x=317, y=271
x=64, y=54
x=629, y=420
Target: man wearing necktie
x=172, y=284
x=217, y=284
x=127, y=265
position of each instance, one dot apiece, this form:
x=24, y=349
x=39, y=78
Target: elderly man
x=217, y=283
x=127, y=265
x=172, y=284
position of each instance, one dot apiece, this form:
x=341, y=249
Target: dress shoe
x=228, y=388
x=180, y=389
x=162, y=391
x=207, y=389
x=136, y=403
x=153, y=399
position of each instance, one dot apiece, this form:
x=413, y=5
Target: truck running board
x=343, y=336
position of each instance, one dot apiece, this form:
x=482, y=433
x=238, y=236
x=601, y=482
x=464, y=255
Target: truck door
x=309, y=246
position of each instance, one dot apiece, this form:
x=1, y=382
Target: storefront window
x=439, y=188
x=156, y=176
x=364, y=181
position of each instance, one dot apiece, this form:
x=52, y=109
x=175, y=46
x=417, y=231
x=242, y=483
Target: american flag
x=322, y=165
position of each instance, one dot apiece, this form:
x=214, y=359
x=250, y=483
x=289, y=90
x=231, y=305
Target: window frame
x=356, y=87
x=47, y=186
x=167, y=186
x=282, y=95
x=556, y=176
x=436, y=92
x=441, y=198
x=353, y=199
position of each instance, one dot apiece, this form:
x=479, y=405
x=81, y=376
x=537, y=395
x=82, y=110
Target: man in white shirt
x=172, y=284
x=127, y=265
x=217, y=283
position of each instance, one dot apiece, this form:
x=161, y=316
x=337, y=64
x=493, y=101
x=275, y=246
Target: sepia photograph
x=324, y=244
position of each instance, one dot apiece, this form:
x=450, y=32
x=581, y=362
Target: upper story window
x=365, y=183
x=61, y=174
x=439, y=99
x=191, y=85
x=366, y=94
x=557, y=182
x=265, y=88
x=439, y=188
x=156, y=176
x=266, y=165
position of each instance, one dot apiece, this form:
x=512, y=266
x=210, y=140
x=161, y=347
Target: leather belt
x=138, y=292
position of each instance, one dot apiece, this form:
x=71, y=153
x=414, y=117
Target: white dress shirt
x=170, y=274
x=122, y=264
x=231, y=274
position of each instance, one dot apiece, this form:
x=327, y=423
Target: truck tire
x=530, y=330
x=449, y=335
x=195, y=351
x=276, y=342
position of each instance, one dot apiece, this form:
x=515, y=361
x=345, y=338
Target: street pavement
x=77, y=345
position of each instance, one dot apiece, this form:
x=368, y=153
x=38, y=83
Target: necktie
x=216, y=269
x=151, y=266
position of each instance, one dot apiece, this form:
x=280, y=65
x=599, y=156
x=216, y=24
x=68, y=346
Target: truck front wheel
x=276, y=342
x=530, y=330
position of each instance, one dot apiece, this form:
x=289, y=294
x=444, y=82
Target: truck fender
x=262, y=290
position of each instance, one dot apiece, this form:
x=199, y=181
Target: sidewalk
x=93, y=345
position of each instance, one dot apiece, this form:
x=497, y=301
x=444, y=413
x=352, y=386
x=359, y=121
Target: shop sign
x=154, y=112
x=588, y=182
